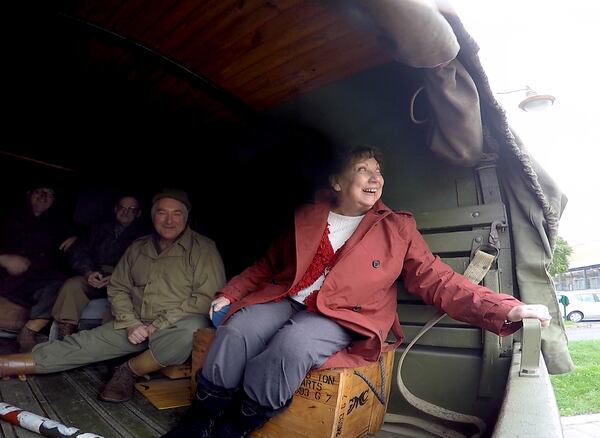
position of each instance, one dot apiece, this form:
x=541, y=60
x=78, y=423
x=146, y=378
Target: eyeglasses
x=49, y=193
x=127, y=209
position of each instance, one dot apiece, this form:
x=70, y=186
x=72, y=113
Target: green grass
x=578, y=393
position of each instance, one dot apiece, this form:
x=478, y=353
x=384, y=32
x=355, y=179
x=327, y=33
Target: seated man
x=31, y=238
x=160, y=293
x=94, y=258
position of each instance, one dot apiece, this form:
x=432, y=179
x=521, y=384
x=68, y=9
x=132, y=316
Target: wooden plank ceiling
x=262, y=52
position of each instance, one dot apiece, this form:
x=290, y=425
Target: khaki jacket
x=148, y=287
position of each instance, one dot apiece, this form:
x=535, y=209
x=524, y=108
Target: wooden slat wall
x=157, y=79
x=474, y=215
x=261, y=51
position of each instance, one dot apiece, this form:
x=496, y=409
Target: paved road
x=581, y=426
x=584, y=331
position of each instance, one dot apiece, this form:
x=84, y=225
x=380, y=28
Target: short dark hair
x=349, y=155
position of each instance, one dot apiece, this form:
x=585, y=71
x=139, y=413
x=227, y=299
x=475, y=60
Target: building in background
x=584, y=269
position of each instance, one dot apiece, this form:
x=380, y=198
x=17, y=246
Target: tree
x=560, y=257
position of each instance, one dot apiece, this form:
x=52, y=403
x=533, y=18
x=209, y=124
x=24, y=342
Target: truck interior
x=242, y=103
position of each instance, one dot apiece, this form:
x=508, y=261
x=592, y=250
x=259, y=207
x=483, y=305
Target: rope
x=380, y=394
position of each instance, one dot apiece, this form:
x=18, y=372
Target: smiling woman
x=360, y=184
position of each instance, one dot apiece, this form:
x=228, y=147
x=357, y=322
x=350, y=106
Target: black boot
x=250, y=417
x=208, y=405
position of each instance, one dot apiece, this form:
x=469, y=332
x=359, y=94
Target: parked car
x=580, y=305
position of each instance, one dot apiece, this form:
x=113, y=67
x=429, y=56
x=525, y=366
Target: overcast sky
x=553, y=47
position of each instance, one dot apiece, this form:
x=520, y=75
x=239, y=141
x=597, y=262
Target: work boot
x=120, y=387
x=65, y=329
x=241, y=422
x=15, y=364
x=209, y=404
x=26, y=339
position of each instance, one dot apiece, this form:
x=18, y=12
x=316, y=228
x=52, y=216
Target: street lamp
x=533, y=101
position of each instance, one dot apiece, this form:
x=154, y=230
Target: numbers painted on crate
x=322, y=397
x=315, y=390
x=302, y=392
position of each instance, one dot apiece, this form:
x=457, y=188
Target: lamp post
x=533, y=101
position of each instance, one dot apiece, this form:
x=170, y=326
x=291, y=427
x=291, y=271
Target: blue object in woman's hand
x=217, y=316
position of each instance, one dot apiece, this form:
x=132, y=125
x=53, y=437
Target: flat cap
x=177, y=194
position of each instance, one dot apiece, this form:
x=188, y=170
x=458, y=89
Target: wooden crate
x=183, y=371
x=334, y=403
x=329, y=403
x=200, y=344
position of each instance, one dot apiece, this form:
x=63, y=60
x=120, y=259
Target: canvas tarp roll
x=455, y=129
x=412, y=31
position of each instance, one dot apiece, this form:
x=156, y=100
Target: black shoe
x=208, y=405
x=250, y=417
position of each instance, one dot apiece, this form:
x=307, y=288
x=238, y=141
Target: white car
x=582, y=304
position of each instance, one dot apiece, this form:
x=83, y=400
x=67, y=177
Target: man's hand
x=151, y=328
x=14, y=264
x=105, y=280
x=67, y=243
x=217, y=305
x=136, y=334
x=95, y=279
x=538, y=311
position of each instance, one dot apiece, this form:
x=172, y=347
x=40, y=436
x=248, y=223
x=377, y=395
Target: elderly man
x=31, y=238
x=94, y=258
x=160, y=293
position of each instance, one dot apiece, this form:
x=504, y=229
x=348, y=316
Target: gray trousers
x=170, y=346
x=269, y=348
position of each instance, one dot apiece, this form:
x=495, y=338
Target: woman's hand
x=538, y=311
x=217, y=305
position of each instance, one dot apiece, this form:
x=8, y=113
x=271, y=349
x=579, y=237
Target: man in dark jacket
x=31, y=238
x=94, y=258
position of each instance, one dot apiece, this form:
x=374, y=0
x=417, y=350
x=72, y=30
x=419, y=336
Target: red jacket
x=359, y=292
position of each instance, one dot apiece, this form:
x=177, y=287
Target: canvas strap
x=478, y=267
